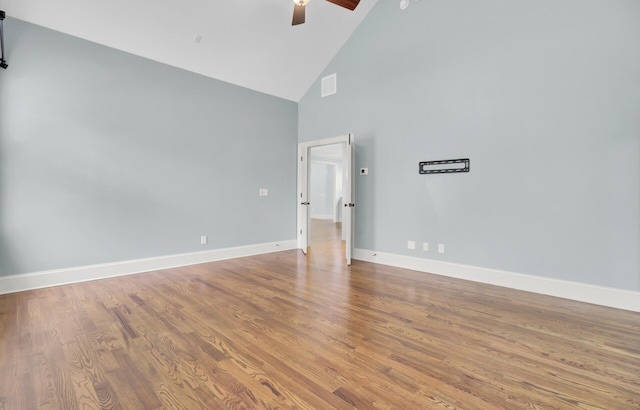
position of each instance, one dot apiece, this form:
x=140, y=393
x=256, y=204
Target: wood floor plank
x=287, y=330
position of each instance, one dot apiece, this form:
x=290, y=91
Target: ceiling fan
x=298, y=11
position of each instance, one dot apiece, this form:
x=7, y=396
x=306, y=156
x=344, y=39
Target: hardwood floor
x=285, y=330
x=326, y=244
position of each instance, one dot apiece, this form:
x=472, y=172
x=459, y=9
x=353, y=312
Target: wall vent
x=329, y=85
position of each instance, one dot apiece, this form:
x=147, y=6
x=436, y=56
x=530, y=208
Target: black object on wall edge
x=446, y=166
x=3, y=62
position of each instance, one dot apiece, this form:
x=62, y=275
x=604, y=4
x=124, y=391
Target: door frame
x=348, y=181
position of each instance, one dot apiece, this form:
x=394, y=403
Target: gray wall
x=322, y=189
x=106, y=157
x=542, y=96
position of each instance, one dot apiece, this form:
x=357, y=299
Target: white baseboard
x=598, y=295
x=37, y=280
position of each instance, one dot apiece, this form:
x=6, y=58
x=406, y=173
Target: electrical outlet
x=411, y=245
x=441, y=248
x=203, y=240
x=264, y=192
x=425, y=246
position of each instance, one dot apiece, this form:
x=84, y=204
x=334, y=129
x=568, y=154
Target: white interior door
x=304, y=208
x=349, y=197
x=303, y=198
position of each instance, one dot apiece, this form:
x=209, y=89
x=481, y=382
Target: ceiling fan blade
x=347, y=4
x=298, y=15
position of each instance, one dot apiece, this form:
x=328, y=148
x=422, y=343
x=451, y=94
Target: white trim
x=302, y=198
x=598, y=295
x=316, y=216
x=37, y=280
x=340, y=139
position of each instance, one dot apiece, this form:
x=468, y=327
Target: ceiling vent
x=329, y=86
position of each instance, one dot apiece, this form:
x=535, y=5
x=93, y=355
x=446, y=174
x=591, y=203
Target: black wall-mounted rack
x=446, y=166
x=3, y=62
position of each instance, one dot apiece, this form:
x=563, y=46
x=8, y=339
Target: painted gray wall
x=322, y=189
x=332, y=156
x=542, y=96
x=105, y=157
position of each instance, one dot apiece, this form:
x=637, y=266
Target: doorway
x=325, y=194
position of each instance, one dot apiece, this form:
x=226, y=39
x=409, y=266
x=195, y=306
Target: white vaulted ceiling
x=250, y=43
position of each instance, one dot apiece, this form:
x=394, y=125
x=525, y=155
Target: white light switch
x=264, y=192
x=411, y=244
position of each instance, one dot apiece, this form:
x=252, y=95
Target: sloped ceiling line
x=248, y=43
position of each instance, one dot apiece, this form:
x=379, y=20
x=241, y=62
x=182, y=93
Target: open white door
x=349, y=197
x=304, y=209
x=303, y=199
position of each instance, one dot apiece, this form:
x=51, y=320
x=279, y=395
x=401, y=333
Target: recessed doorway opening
x=325, y=192
x=325, y=195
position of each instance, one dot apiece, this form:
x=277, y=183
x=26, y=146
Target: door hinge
x=350, y=205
